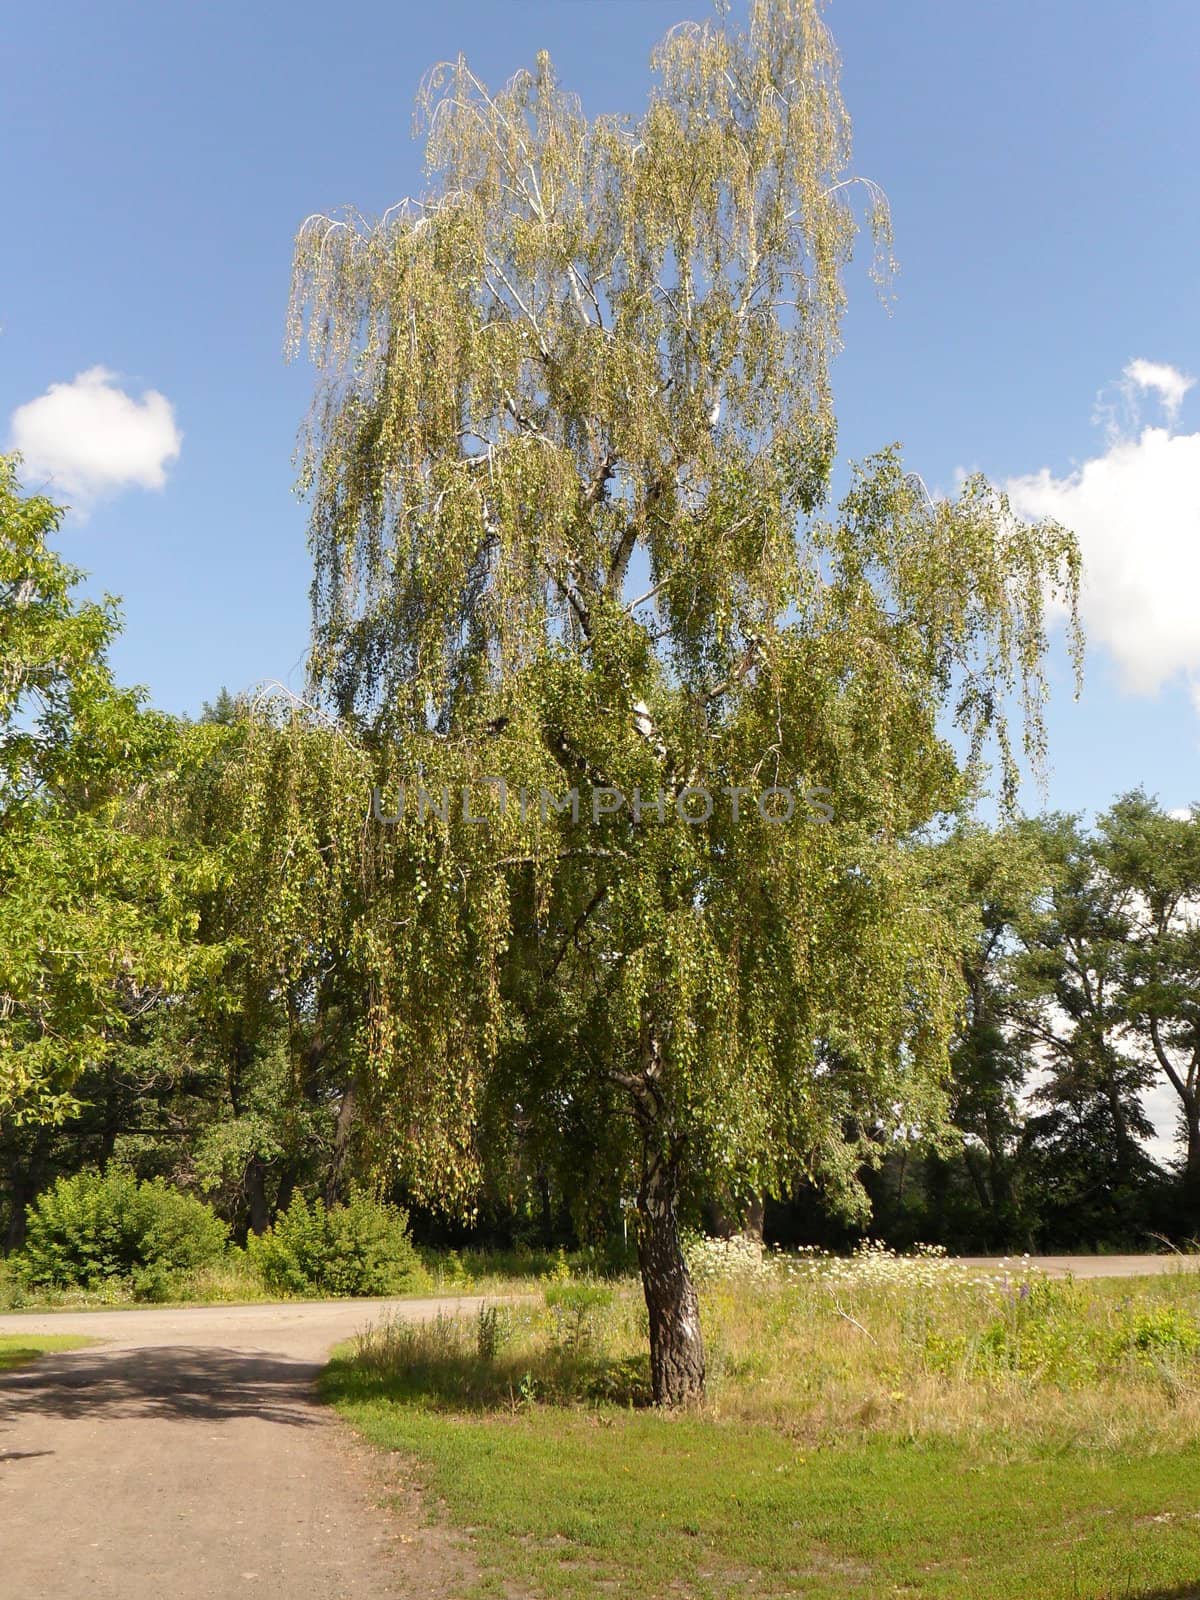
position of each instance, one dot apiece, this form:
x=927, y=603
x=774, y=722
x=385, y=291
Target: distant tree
x=93, y=915
x=998, y=875
x=573, y=424
x=1087, y=1142
x=274, y=801
x=1152, y=860
x=225, y=710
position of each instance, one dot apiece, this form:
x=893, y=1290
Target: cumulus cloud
x=1136, y=512
x=90, y=438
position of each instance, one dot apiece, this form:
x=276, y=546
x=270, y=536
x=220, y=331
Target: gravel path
x=185, y=1458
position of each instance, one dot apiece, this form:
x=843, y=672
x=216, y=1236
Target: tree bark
x=676, y=1342
x=20, y=1193
x=335, y=1178
x=255, y=1183
x=287, y=1188
x=26, y=1174
x=971, y=1161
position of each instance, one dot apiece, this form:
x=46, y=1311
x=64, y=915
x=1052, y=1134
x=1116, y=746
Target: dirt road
x=186, y=1459
x=1087, y=1266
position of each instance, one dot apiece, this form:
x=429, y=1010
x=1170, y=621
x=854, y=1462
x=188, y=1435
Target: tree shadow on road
x=175, y=1382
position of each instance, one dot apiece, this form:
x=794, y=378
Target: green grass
x=19, y=1349
x=956, y=1440
x=572, y=1504
x=496, y=1271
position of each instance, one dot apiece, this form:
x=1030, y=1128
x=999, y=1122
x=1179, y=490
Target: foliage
x=93, y=915
x=1154, y=859
x=1044, y=1334
x=97, y=1227
x=273, y=798
x=360, y=1248
x=997, y=876
x=558, y=1352
x=170, y=1099
x=482, y=1271
x=1166, y=1331
x=1104, y=987
x=237, y=1076
x=1067, y=990
x=165, y=1101
x=1084, y=950
x=594, y=358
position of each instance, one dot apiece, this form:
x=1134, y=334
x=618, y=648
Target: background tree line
x=209, y=1028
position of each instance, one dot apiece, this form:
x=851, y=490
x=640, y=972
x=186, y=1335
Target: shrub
x=99, y=1228
x=361, y=1248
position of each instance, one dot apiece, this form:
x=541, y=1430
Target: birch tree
x=570, y=442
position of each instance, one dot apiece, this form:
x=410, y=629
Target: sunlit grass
x=231, y=1281
x=878, y=1427
x=19, y=1349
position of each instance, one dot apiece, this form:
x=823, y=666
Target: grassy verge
x=236, y=1281
x=233, y=1281
x=577, y=1506
x=884, y=1429
x=19, y=1349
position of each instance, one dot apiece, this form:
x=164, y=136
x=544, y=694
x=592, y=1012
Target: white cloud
x=1136, y=512
x=92, y=439
x=1119, y=405
x=1167, y=382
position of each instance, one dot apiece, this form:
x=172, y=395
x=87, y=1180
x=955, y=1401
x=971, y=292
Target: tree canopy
x=571, y=437
x=92, y=916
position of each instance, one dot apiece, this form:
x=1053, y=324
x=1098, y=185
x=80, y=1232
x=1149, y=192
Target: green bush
x=361, y=1248
x=98, y=1228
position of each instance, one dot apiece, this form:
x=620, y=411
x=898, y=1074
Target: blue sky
x=1039, y=160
